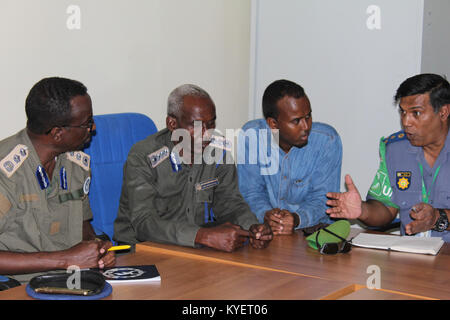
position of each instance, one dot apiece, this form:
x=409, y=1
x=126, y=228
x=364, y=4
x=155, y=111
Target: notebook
x=422, y=245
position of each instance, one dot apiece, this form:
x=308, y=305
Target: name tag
x=211, y=183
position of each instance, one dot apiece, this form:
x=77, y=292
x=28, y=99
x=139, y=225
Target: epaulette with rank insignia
x=80, y=158
x=398, y=136
x=158, y=156
x=14, y=160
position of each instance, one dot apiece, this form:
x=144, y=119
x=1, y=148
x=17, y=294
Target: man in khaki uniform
x=167, y=197
x=44, y=185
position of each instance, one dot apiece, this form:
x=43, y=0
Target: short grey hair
x=175, y=100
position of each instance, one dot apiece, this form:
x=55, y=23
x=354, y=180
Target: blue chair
x=115, y=135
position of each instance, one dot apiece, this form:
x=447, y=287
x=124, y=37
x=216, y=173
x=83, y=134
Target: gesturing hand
x=424, y=216
x=345, y=204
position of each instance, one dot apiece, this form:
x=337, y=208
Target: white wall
x=436, y=43
x=349, y=72
x=130, y=54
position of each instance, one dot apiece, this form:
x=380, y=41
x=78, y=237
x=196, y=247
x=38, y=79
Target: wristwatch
x=442, y=222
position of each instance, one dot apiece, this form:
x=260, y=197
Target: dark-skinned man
x=412, y=179
x=171, y=194
x=44, y=185
x=288, y=188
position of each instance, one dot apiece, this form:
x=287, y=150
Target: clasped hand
x=91, y=254
x=228, y=237
x=281, y=221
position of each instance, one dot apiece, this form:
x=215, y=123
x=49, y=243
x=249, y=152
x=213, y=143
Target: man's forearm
x=375, y=213
x=20, y=263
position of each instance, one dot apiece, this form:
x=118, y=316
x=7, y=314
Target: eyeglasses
x=89, y=125
x=332, y=247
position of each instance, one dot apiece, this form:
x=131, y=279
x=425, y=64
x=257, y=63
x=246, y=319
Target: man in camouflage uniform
x=412, y=179
x=44, y=185
x=166, y=198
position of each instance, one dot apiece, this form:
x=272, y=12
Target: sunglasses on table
x=333, y=247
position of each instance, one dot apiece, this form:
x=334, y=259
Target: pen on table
x=115, y=248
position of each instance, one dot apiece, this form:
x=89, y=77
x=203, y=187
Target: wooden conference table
x=287, y=270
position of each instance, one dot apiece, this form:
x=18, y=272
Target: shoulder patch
x=221, y=143
x=398, y=136
x=158, y=156
x=80, y=158
x=14, y=160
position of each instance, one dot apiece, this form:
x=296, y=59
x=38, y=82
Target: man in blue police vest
x=413, y=177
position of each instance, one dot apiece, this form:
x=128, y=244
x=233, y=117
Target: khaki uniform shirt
x=162, y=205
x=34, y=219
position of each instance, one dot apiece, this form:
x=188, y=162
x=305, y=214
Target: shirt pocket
x=204, y=196
x=408, y=199
x=443, y=200
x=298, y=188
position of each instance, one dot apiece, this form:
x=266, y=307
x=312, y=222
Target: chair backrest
x=115, y=135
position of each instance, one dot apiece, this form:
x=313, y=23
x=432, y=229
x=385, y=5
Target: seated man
x=44, y=183
x=414, y=166
x=305, y=162
x=170, y=193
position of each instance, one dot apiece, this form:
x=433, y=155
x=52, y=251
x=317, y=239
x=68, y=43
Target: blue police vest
x=402, y=161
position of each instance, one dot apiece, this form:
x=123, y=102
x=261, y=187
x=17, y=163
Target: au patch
x=86, y=185
x=403, y=180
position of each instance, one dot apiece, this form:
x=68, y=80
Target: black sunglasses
x=332, y=247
